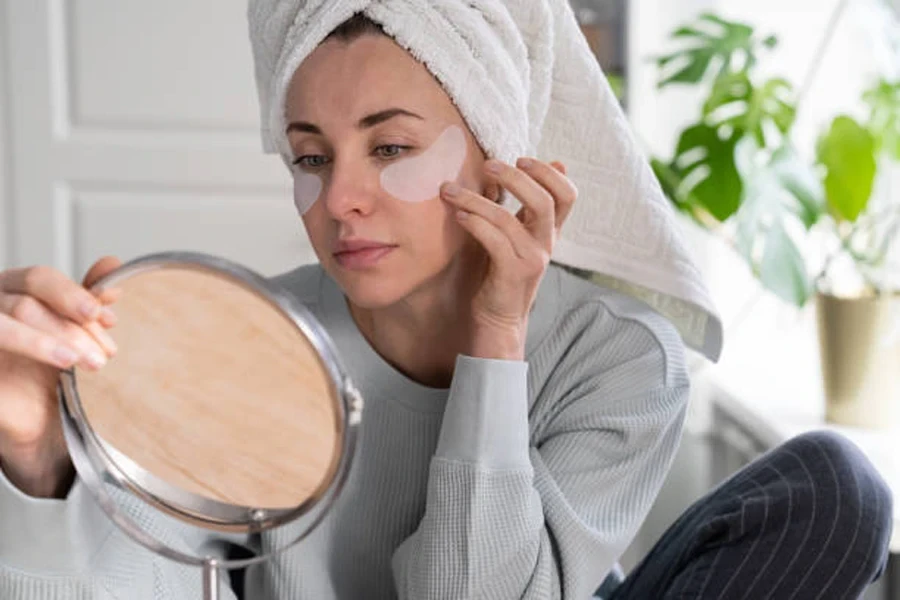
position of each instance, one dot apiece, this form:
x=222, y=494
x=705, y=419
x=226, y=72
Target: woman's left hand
x=518, y=246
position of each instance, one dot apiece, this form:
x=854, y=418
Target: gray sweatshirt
x=523, y=480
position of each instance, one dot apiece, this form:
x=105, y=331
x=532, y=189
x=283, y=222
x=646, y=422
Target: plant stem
x=892, y=213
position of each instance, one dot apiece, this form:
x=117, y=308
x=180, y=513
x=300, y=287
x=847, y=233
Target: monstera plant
x=735, y=169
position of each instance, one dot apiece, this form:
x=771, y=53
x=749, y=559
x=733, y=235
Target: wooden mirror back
x=215, y=391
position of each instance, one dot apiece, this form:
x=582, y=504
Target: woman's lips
x=361, y=255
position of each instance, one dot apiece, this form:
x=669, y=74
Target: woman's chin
x=368, y=292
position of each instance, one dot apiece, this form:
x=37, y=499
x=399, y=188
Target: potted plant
x=859, y=326
x=735, y=171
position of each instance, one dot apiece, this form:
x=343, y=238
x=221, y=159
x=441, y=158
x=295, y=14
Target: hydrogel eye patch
x=413, y=179
x=307, y=188
x=419, y=178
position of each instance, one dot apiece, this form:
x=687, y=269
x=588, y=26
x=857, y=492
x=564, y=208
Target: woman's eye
x=311, y=161
x=390, y=150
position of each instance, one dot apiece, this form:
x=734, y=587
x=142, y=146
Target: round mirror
x=226, y=405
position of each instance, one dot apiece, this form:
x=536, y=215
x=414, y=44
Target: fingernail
x=64, y=356
x=462, y=215
x=106, y=341
x=108, y=317
x=88, y=309
x=493, y=166
x=452, y=189
x=95, y=359
x=525, y=163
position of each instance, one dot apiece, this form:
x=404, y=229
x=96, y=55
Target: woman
x=519, y=420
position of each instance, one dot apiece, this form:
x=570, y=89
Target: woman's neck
x=422, y=335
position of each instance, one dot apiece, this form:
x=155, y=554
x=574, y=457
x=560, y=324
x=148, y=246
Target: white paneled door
x=131, y=127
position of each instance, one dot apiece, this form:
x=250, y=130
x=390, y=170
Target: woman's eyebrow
x=385, y=115
x=366, y=122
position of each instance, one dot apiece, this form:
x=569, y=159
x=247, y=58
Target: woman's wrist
x=498, y=343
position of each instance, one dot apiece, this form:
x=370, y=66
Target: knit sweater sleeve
x=538, y=500
x=70, y=550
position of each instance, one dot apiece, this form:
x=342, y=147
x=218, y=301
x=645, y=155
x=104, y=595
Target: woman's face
x=367, y=122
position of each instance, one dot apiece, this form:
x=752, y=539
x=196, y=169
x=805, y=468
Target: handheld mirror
x=226, y=406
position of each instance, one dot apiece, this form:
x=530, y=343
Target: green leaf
x=735, y=29
x=710, y=41
x=728, y=91
x=773, y=100
x=884, y=121
x=847, y=151
x=778, y=187
x=688, y=32
x=694, y=69
x=782, y=269
x=704, y=164
x=668, y=180
x=797, y=178
x=746, y=234
x=736, y=102
x=617, y=84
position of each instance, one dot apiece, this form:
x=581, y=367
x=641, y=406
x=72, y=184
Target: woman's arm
x=68, y=549
x=545, y=513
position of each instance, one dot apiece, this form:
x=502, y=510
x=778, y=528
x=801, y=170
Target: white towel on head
x=524, y=79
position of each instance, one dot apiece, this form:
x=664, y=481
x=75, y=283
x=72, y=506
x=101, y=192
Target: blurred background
x=130, y=127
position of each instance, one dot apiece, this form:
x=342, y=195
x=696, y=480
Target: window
x=865, y=42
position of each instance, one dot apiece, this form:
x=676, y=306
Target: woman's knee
x=835, y=460
x=840, y=473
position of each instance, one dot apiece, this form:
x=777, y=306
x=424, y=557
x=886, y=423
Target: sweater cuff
x=49, y=536
x=486, y=418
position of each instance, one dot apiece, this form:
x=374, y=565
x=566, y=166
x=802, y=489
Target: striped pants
x=810, y=519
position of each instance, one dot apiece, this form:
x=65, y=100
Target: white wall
x=649, y=21
x=5, y=218
x=848, y=64
x=135, y=133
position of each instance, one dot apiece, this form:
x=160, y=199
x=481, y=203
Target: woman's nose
x=347, y=191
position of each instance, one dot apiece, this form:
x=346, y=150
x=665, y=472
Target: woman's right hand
x=47, y=323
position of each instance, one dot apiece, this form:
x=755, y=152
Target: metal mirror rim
x=91, y=457
x=185, y=505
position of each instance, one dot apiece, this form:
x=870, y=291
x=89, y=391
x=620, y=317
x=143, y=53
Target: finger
x=488, y=235
x=537, y=200
x=520, y=239
x=17, y=338
x=532, y=264
x=100, y=269
x=54, y=289
x=97, y=331
x=91, y=342
x=552, y=177
x=110, y=295
x=107, y=297
x=107, y=317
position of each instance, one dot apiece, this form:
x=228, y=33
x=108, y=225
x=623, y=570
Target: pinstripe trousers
x=809, y=519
